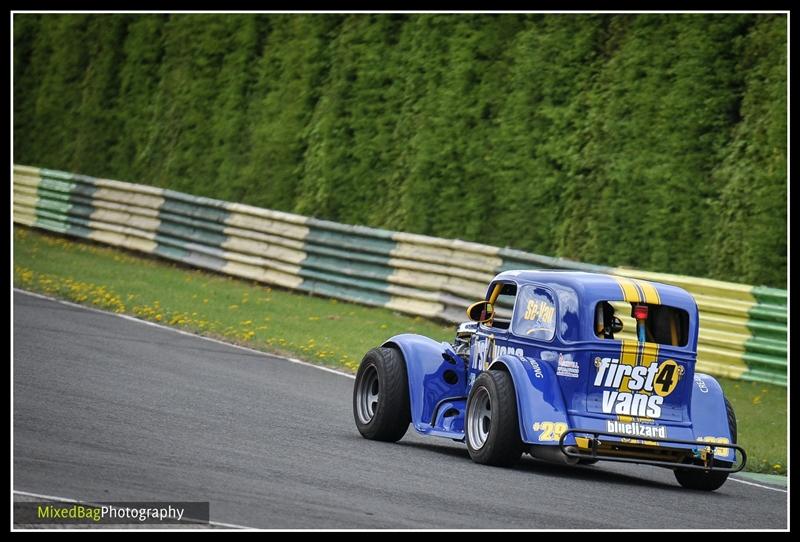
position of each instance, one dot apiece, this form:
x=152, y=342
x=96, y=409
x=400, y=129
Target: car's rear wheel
x=492, y=426
x=711, y=480
x=380, y=396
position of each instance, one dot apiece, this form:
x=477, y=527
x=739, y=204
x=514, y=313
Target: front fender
x=435, y=373
x=540, y=405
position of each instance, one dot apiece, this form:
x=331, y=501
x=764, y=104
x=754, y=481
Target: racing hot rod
x=567, y=366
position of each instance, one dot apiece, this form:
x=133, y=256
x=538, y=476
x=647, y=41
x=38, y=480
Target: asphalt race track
x=106, y=409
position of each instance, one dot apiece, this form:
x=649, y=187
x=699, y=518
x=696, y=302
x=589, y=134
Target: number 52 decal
x=721, y=452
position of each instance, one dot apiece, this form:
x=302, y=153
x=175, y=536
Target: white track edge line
x=66, y=500
x=758, y=485
x=182, y=332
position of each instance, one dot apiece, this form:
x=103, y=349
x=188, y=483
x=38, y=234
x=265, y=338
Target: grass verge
x=320, y=330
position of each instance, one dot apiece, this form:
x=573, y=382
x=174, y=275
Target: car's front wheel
x=380, y=396
x=492, y=426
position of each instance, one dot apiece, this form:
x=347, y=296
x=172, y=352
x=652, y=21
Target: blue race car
x=566, y=366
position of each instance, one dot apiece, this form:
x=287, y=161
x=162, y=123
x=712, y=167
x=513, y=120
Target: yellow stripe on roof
x=649, y=291
x=629, y=290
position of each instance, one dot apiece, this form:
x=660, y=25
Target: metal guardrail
x=743, y=328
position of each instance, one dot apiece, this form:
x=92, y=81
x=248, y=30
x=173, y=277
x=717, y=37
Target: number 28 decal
x=550, y=431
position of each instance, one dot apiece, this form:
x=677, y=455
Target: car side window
x=535, y=314
x=503, y=305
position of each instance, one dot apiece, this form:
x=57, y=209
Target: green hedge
x=651, y=141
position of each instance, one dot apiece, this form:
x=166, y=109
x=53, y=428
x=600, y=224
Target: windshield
x=535, y=313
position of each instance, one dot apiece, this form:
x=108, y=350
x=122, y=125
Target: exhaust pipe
x=554, y=454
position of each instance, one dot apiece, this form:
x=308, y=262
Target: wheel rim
x=479, y=418
x=368, y=395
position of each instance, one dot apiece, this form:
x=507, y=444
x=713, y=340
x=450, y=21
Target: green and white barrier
x=743, y=328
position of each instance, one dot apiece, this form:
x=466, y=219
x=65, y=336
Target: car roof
x=593, y=287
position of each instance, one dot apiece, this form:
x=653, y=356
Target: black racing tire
x=731, y=420
x=587, y=461
x=381, y=405
x=709, y=481
x=497, y=441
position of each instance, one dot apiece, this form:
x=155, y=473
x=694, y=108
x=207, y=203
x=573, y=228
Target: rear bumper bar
x=702, y=451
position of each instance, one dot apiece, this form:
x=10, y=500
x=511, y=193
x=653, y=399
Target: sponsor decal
x=537, y=371
x=567, y=366
x=482, y=355
x=700, y=384
x=639, y=389
x=539, y=310
x=636, y=429
x=503, y=350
